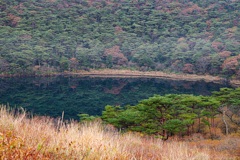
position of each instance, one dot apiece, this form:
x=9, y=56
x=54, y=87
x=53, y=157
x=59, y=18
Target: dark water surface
x=52, y=95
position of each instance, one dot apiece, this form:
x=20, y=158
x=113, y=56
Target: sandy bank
x=151, y=74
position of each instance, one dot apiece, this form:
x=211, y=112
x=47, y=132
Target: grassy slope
x=38, y=138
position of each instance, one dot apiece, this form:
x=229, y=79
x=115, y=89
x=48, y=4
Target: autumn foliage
x=178, y=36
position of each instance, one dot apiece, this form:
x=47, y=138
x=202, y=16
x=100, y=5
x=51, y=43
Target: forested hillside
x=183, y=36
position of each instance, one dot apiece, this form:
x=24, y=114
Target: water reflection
x=53, y=95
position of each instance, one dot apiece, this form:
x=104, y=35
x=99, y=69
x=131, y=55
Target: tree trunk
x=199, y=122
x=224, y=120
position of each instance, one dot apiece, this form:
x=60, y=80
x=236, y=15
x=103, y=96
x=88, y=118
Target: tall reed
x=25, y=138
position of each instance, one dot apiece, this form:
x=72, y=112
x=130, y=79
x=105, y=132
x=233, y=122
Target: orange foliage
x=188, y=68
x=26, y=37
x=73, y=59
x=14, y=19
x=117, y=57
x=109, y=2
x=211, y=6
x=63, y=5
x=231, y=31
x=19, y=8
x=231, y=63
x=118, y=29
x=182, y=39
x=73, y=63
x=218, y=46
x=90, y=2
x=208, y=22
x=209, y=35
x=191, y=9
x=224, y=54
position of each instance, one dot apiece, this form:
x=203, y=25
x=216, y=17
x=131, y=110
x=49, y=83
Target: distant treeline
x=178, y=114
x=189, y=36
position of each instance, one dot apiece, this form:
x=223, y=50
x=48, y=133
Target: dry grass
x=44, y=138
x=155, y=74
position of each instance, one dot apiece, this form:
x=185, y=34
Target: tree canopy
x=194, y=36
x=175, y=114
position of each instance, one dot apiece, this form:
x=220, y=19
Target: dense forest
x=182, y=36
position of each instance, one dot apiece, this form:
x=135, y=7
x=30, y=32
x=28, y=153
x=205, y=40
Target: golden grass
x=125, y=73
x=44, y=138
x=155, y=74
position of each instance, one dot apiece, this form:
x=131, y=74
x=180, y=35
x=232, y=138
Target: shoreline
x=149, y=74
x=152, y=74
x=136, y=74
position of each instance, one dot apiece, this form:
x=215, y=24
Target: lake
x=52, y=95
